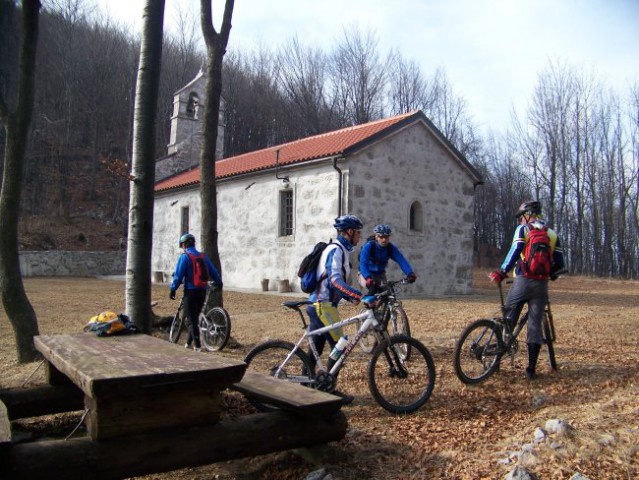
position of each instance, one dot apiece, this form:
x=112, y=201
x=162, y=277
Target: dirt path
x=462, y=432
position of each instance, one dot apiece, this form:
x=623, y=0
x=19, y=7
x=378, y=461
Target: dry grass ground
x=462, y=432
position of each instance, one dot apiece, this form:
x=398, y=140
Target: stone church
x=275, y=204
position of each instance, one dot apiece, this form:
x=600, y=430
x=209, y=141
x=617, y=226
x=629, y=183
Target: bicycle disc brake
x=477, y=351
x=325, y=382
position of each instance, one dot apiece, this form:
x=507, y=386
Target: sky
x=491, y=50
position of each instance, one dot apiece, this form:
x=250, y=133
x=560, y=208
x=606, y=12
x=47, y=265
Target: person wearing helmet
x=527, y=289
x=194, y=292
x=333, y=270
x=374, y=257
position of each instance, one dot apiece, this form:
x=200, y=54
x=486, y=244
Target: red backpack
x=200, y=270
x=538, y=260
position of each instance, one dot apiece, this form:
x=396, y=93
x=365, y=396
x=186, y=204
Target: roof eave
x=265, y=170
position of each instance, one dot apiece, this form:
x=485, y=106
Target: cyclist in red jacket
x=194, y=291
x=531, y=289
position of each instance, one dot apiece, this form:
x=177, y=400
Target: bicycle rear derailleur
x=512, y=350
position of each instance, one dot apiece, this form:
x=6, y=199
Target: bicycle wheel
x=368, y=342
x=401, y=327
x=478, y=351
x=215, y=329
x=177, y=325
x=399, y=385
x=549, y=340
x=269, y=357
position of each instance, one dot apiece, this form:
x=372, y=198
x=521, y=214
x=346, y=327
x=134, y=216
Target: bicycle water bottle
x=339, y=346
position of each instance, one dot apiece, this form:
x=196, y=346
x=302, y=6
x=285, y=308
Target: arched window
x=416, y=217
x=193, y=105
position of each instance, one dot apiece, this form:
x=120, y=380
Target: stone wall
x=72, y=264
x=414, y=166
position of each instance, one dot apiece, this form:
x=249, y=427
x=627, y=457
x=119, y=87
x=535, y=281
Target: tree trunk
x=140, y=234
x=14, y=299
x=216, y=48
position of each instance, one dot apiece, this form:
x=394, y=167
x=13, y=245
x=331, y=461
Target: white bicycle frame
x=369, y=322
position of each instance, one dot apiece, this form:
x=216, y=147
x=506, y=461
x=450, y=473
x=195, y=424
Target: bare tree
x=633, y=178
x=140, y=238
x=257, y=112
x=303, y=76
x=16, y=124
x=215, y=48
x=359, y=78
x=407, y=87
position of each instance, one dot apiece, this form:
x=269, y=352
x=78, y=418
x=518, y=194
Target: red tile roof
x=338, y=142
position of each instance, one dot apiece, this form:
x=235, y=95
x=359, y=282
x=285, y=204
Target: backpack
x=308, y=268
x=109, y=323
x=537, y=261
x=200, y=270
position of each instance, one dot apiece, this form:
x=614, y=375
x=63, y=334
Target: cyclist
x=194, y=288
x=525, y=288
x=374, y=257
x=333, y=271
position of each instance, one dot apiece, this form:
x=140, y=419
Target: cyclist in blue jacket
x=374, y=257
x=194, y=293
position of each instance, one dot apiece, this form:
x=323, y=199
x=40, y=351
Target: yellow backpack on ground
x=109, y=323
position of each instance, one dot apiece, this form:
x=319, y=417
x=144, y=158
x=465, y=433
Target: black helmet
x=529, y=207
x=345, y=222
x=187, y=239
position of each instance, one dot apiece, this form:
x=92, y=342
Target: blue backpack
x=308, y=268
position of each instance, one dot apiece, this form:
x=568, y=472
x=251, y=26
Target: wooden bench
x=288, y=396
x=138, y=383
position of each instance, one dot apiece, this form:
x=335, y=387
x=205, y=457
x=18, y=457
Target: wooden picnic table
x=137, y=383
x=145, y=395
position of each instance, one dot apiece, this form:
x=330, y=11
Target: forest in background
x=576, y=149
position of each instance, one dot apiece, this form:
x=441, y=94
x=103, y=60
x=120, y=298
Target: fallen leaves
x=462, y=432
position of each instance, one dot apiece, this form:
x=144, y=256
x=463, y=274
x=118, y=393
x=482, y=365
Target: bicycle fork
x=396, y=367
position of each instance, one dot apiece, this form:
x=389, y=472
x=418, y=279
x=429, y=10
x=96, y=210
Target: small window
x=416, y=217
x=286, y=213
x=193, y=106
x=184, y=223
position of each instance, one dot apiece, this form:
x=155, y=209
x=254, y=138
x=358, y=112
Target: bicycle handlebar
x=392, y=283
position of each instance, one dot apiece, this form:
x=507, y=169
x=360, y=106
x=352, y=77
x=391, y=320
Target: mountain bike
x=389, y=311
x=214, y=325
x=397, y=384
x=485, y=342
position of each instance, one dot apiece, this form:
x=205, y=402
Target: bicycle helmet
x=529, y=207
x=345, y=222
x=187, y=239
x=382, y=229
